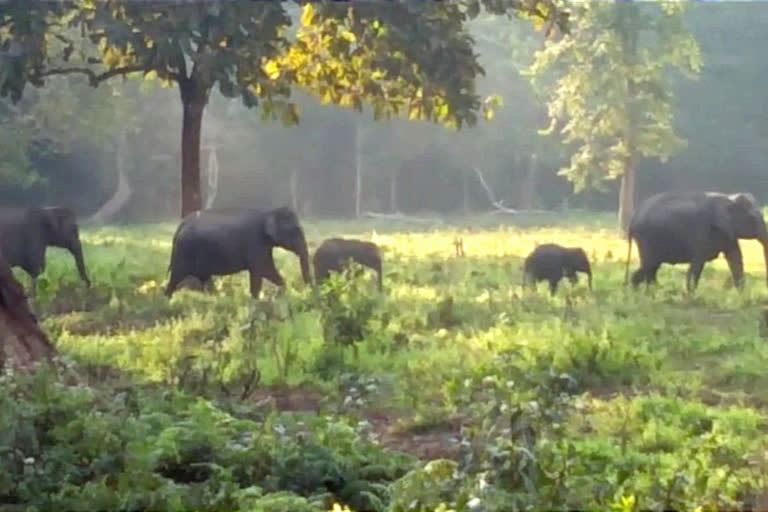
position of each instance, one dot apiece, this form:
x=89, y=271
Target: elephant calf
x=227, y=241
x=550, y=262
x=334, y=253
x=26, y=233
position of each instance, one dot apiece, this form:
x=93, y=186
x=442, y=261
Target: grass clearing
x=611, y=394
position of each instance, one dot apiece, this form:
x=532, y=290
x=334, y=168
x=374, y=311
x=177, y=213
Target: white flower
x=474, y=504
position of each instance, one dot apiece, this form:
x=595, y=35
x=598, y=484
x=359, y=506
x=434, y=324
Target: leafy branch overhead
x=607, y=85
x=410, y=58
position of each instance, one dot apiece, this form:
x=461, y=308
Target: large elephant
x=694, y=227
x=230, y=240
x=334, y=253
x=26, y=233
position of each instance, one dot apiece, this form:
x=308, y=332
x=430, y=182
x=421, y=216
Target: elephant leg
x=571, y=275
x=208, y=285
x=173, y=282
x=650, y=273
x=638, y=276
x=269, y=271
x=736, y=265
x=553, y=285
x=693, y=275
x=272, y=275
x=255, y=278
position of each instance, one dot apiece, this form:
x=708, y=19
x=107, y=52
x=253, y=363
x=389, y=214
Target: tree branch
x=499, y=205
x=94, y=79
x=491, y=196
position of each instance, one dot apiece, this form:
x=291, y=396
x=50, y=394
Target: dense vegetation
x=453, y=386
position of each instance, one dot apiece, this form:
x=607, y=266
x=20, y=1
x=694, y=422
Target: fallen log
x=402, y=218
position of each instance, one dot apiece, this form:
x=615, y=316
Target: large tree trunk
x=627, y=198
x=116, y=203
x=629, y=32
x=194, y=96
x=21, y=339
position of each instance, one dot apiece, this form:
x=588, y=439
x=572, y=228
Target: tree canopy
x=414, y=58
x=608, y=91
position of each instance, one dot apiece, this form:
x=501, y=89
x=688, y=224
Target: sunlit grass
x=655, y=357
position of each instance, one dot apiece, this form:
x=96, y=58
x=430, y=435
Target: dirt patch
x=435, y=441
x=439, y=440
x=302, y=398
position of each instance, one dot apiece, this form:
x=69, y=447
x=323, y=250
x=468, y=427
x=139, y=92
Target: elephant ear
x=270, y=225
x=53, y=218
x=721, y=217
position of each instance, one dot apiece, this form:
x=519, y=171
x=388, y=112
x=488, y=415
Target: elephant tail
x=629, y=256
x=174, y=244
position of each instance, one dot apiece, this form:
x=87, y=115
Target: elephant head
x=745, y=220
x=60, y=230
x=282, y=228
x=577, y=261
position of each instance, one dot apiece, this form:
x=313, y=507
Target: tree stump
x=22, y=341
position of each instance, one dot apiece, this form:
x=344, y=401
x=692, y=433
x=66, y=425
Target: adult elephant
x=694, y=227
x=230, y=240
x=26, y=233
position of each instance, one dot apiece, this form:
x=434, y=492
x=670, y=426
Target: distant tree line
x=720, y=119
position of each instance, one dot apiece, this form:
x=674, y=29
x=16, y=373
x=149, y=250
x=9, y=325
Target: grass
x=451, y=342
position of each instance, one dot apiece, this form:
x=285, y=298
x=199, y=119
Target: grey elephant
x=693, y=228
x=230, y=240
x=26, y=233
x=334, y=253
x=550, y=262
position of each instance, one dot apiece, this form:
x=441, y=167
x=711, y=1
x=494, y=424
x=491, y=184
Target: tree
x=608, y=90
x=412, y=57
x=22, y=342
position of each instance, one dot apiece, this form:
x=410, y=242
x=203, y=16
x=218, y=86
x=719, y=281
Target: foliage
x=134, y=448
x=347, y=307
x=646, y=399
x=607, y=88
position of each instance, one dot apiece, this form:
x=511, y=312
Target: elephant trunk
x=589, y=279
x=76, y=250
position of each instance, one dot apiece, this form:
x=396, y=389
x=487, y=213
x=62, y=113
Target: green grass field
x=614, y=398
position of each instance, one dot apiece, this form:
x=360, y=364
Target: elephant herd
x=671, y=227
x=226, y=241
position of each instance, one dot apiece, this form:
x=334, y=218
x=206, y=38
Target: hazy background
x=76, y=138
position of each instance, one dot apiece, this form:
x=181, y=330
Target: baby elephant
x=550, y=262
x=333, y=254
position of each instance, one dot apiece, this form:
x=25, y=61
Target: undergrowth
x=453, y=389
